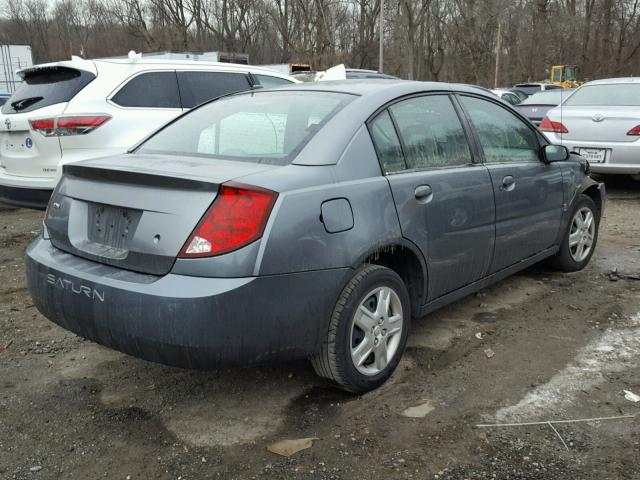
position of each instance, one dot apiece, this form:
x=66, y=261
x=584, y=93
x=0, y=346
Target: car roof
x=188, y=63
x=614, y=81
x=389, y=87
x=370, y=96
x=90, y=65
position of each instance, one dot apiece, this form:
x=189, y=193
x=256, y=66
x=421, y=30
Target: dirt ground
x=565, y=347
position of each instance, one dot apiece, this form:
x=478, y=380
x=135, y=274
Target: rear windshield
x=553, y=97
x=617, y=95
x=47, y=86
x=260, y=127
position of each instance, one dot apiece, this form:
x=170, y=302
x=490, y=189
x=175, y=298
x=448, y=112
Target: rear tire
x=368, y=331
x=580, y=237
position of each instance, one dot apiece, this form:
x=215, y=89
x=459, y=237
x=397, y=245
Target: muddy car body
x=336, y=213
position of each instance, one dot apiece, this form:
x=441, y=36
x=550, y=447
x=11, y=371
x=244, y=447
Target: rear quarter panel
x=296, y=238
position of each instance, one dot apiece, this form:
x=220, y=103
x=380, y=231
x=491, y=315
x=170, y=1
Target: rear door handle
x=508, y=183
x=423, y=193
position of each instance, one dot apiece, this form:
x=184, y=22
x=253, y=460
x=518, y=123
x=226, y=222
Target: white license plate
x=593, y=155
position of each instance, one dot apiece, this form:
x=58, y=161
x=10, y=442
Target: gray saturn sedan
x=311, y=221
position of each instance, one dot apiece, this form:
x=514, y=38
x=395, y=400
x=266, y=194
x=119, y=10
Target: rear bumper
x=184, y=321
x=27, y=192
x=25, y=197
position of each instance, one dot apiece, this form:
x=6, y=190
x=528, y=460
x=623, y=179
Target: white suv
x=79, y=109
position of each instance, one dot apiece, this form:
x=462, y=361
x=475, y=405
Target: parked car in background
x=302, y=221
x=4, y=97
x=535, y=87
x=338, y=72
x=359, y=74
x=73, y=110
x=521, y=95
x=601, y=122
x=536, y=106
x=507, y=95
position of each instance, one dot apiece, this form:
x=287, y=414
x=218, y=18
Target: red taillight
x=236, y=218
x=68, y=124
x=79, y=125
x=46, y=126
x=635, y=131
x=550, y=126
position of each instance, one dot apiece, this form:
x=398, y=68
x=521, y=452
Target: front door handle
x=508, y=183
x=423, y=193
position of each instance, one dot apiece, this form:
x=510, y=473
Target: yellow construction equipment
x=565, y=76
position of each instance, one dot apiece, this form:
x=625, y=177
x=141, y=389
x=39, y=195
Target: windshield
x=614, y=94
x=569, y=74
x=261, y=127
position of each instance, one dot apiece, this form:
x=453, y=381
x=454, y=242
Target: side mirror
x=555, y=153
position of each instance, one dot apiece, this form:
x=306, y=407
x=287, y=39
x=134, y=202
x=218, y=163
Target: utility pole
x=496, y=78
x=381, y=35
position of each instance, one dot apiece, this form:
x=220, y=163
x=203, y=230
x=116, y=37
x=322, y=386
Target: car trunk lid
x=600, y=124
x=136, y=211
x=535, y=113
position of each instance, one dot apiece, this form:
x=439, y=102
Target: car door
x=444, y=200
x=528, y=192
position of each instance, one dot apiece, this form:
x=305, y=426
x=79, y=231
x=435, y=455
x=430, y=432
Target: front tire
x=368, y=331
x=580, y=238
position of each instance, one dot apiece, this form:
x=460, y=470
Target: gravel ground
x=564, y=347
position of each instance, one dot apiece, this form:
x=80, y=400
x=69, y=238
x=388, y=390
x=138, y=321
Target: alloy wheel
x=581, y=234
x=376, y=331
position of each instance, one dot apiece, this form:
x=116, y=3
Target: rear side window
x=150, y=90
x=47, y=86
x=620, y=95
x=199, y=87
x=387, y=143
x=268, y=81
x=431, y=132
x=511, y=99
x=504, y=137
x=261, y=127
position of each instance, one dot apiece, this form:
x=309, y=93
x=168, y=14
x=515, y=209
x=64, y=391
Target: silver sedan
x=601, y=122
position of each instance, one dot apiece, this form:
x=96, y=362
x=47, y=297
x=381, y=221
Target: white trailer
x=288, y=68
x=13, y=58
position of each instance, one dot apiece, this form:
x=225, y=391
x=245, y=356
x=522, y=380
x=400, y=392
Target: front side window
x=149, y=90
x=260, y=127
x=431, y=132
x=199, y=87
x=503, y=136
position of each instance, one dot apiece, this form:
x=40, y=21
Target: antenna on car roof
x=132, y=55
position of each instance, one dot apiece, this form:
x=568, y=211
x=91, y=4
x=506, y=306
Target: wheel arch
x=407, y=261
x=594, y=190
